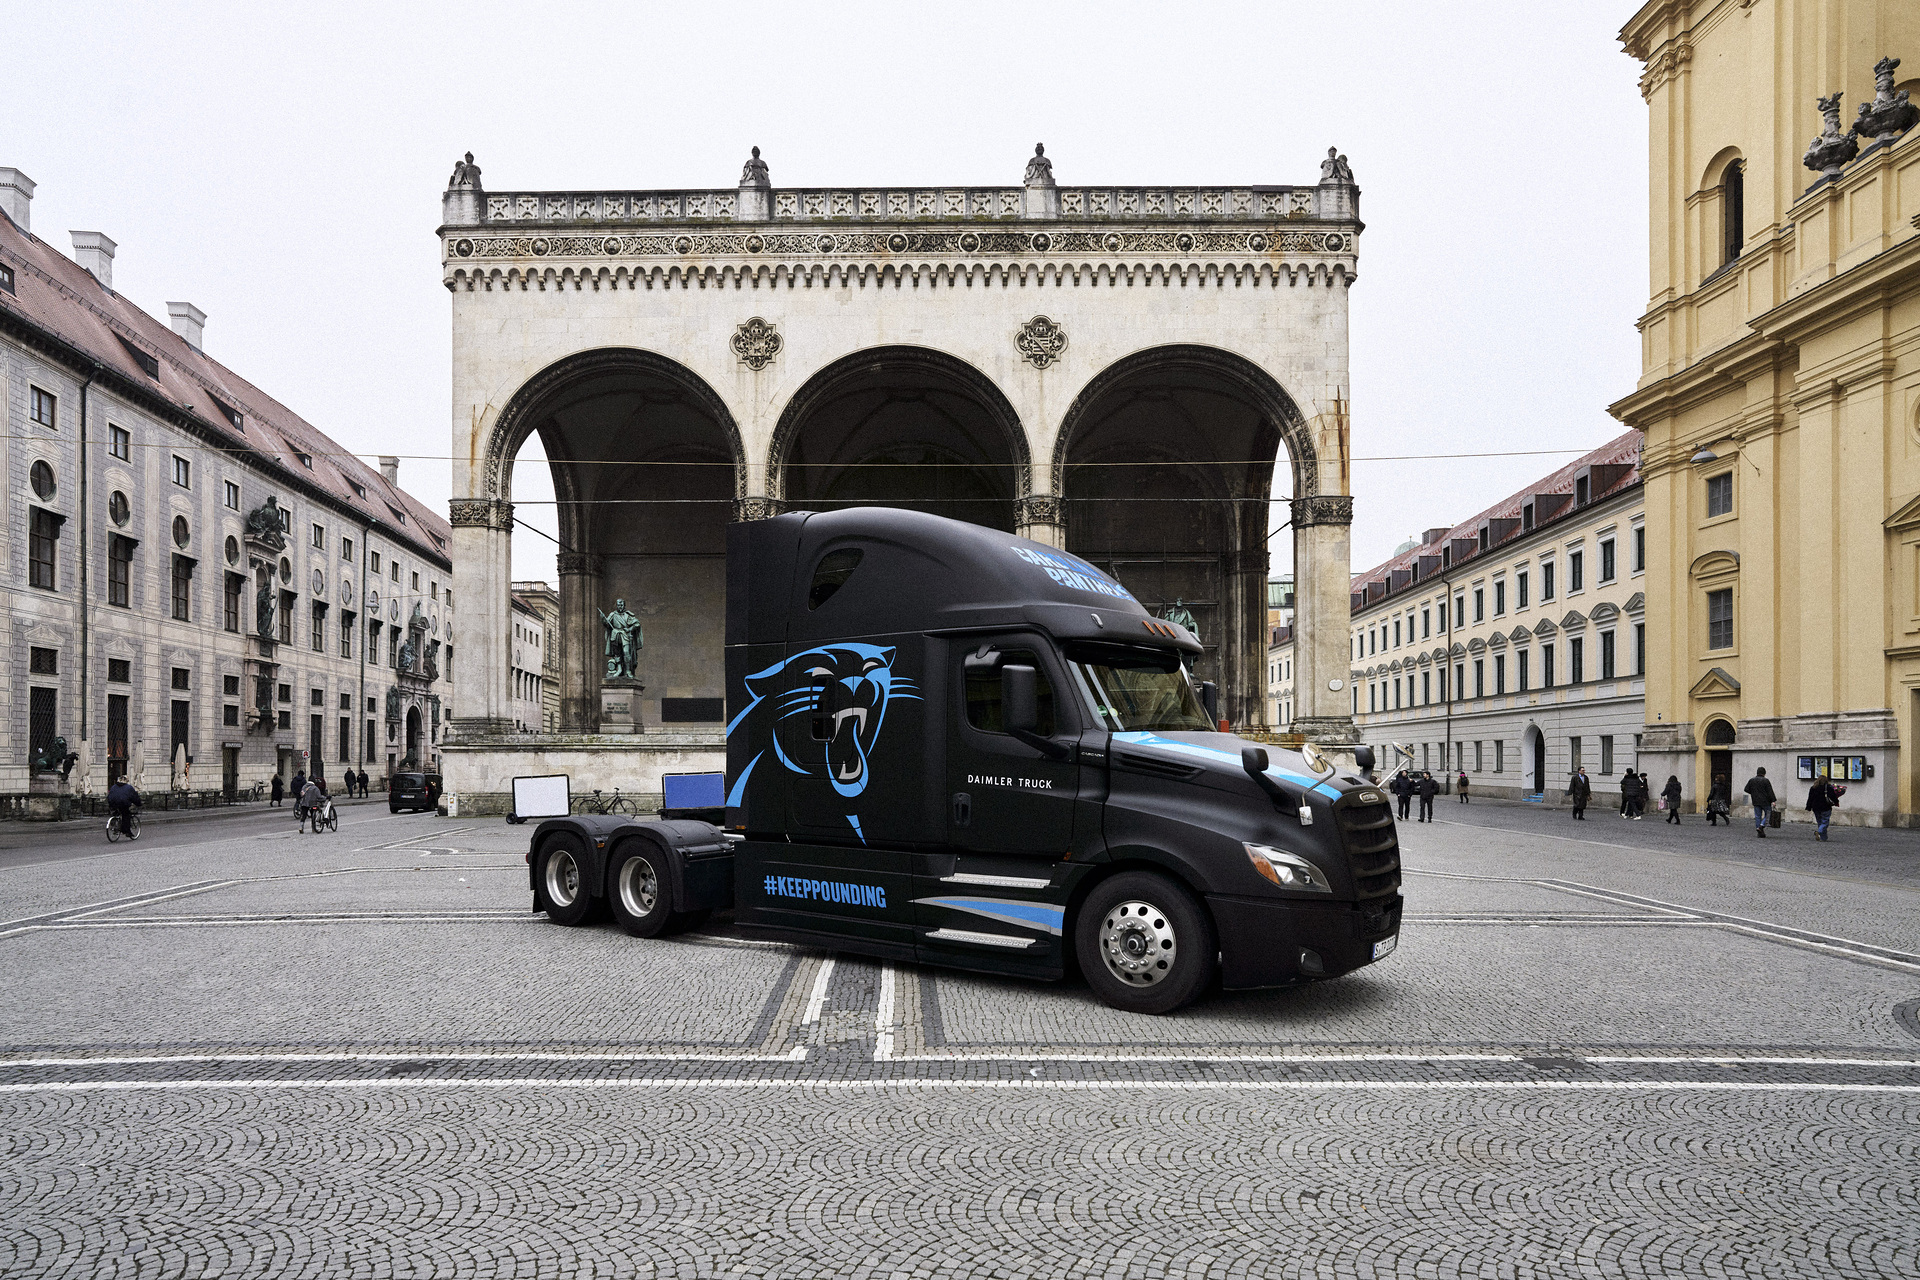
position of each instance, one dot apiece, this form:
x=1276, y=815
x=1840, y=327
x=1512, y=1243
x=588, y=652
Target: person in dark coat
x=122, y=800
x=1402, y=786
x=277, y=792
x=1760, y=791
x=1428, y=787
x=1579, y=791
x=363, y=784
x=1462, y=786
x=1821, y=799
x=1720, y=801
x=1671, y=794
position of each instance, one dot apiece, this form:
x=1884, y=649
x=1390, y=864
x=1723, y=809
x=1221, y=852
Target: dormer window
x=148, y=364
x=1582, y=489
x=359, y=490
x=397, y=513
x=6, y=277
x=231, y=414
x=306, y=459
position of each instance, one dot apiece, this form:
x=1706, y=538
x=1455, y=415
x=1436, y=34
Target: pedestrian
x=1636, y=795
x=1670, y=797
x=1462, y=785
x=1429, y=787
x=1821, y=799
x=1579, y=790
x=1626, y=794
x=277, y=791
x=1760, y=791
x=363, y=784
x=1402, y=786
x=1720, y=801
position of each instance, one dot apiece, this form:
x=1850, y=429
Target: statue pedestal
x=620, y=706
x=46, y=797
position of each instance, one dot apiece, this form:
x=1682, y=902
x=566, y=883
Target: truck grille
x=1373, y=849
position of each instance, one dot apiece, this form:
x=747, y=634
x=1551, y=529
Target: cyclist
x=122, y=799
x=313, y=804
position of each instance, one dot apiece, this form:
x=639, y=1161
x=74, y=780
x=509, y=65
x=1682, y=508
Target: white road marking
x=884, y=1020
x=634, y=1055
x=818, y=1000
x=1081, y=1086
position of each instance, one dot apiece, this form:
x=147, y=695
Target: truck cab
x=953, y=746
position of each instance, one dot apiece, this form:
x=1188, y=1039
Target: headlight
x=1287, y=870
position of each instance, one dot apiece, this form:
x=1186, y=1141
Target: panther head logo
x=843, y=691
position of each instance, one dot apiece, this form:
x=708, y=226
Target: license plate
x=1385, y=946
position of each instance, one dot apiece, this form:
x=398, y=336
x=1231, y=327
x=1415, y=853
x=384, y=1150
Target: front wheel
x=1144, y=944
x=562, y=891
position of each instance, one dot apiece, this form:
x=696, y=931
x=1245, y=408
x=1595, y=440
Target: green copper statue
x=623, y=642
x=1178, y=614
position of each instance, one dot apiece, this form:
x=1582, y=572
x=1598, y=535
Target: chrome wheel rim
x=563, y=878
x=639, y=887
x=1138, y=944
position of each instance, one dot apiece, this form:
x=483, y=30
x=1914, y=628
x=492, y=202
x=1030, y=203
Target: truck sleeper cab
x=950, y=745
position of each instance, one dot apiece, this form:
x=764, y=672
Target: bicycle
x=616, y=803
x=115, y=831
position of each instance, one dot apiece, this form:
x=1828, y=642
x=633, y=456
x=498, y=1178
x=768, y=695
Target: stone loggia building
x=1109, y=369
x=189, y=563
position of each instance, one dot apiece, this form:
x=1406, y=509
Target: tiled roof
x=60, y=298
x=1623, y=449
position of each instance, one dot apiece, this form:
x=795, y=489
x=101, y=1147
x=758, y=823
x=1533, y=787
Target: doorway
x=1718, y=738
x=1539, y=761
x=229, y=771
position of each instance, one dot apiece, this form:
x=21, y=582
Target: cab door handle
x=962, y=809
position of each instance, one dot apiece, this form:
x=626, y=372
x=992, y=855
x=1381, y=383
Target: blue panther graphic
x=851, y=685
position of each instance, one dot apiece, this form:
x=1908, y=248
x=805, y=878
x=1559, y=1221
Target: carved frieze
x=1330, y=508
x=1039, y=508
x=581, y=562
x=480, y=513
x=755, y=509
x=1040, y=342
x=905, y=240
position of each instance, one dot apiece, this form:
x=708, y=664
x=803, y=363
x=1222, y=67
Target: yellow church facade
x=1780, y=396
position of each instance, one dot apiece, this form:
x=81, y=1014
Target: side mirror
x=1363, y=760
x=1210, y=699
x=1019, y=701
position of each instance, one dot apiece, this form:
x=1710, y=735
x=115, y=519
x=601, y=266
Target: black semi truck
x=954, y=746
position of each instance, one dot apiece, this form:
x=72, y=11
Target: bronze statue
x=624, y=642
x=1181, y=616
x=263, y=611
x=264, y=524
x=54, y=757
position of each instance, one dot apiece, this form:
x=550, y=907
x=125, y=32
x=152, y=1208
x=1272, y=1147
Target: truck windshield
x=1133, y=689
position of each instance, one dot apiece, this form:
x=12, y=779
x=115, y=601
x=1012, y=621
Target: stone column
x=1322, y=532
x=756, y=508
x=580, y=663
x=1243, y=648
x=1041, y=518
x=483, y=626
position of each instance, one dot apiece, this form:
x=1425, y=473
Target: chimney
x=16, y=197
x=94, y=251
x=189, y=321
x=390, y=470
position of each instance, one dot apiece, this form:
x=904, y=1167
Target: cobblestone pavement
x=359, y=1055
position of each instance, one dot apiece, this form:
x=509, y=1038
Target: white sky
x=282, y=169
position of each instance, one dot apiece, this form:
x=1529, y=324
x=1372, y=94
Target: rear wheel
x=1144, y=944
x=640, y=895
x=563, y=882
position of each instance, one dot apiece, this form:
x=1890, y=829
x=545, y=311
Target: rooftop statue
x=1039, y=169
x=1335, y=168
x=1889, y=114
x=465, y=174
x=623, y=642
x=754, y=173
x=1834, y=146
x=263, y=523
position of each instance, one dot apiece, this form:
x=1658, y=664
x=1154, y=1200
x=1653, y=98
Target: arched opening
x=1165, y=463
x=413, y=759
x=646, y=463
x=902, y=427
x=1733, y=210
x=1536, y=761
x=1717, y=736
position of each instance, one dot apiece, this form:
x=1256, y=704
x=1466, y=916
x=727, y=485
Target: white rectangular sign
x=547, y=796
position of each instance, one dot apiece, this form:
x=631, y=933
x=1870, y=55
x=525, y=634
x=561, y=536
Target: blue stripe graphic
x=1146, y=739
x=1030, y=915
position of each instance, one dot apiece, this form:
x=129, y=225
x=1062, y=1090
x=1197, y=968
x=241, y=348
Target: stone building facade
x=1780, y=394
x=190, y=565
x=1514, y=645
x=1114, y=370
x=542, y=602
x=1280, y=678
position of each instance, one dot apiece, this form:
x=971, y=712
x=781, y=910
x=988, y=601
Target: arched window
x=1719, y=733
x=1733, y=211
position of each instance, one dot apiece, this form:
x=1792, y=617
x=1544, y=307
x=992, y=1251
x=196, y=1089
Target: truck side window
x=831, y=574
x=983, y=694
